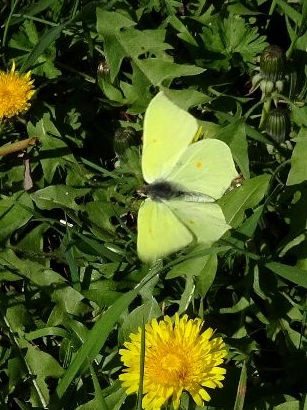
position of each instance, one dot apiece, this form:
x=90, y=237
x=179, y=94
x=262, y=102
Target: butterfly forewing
x=168, y=130
x=206, y=167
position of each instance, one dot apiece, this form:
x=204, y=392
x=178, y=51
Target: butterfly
x=183, y=181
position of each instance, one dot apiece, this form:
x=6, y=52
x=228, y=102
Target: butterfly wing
x=206, y=166
x=205, y=220
x=168, y=130
x=160, y=232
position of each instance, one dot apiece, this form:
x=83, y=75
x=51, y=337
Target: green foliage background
x=72, y=287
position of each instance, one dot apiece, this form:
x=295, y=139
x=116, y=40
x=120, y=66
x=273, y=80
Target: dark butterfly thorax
x=161, y=190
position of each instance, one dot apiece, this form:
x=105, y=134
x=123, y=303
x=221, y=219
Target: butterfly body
x=165, y=190
x=183, y=180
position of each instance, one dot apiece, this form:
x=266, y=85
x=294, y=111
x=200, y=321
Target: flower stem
x=17, y=146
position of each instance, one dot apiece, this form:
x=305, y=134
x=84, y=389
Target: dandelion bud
x=277, y=124
x=124, y=138
x=272, y=63
x=103, y=71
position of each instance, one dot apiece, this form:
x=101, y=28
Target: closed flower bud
x=124, y=138
x=277, y=124
x=272, y=63
x=103, y=71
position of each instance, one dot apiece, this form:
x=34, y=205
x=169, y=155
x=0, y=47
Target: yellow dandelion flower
x=15, y=92
x=178, y=357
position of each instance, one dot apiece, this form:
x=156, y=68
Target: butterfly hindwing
x=205, y=220
x=159, y=231
x=168, y=130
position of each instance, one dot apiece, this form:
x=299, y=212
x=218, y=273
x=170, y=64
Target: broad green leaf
x=102, y=292
x=238, y=307
x=235, y=136
x=289, y=405
x=15, y=212
x=41, y=366
x=54, y=152
x=59, y=196
x=187, y=295
x=202, y=269
x=299, y=116
x=31, y=271
x=247, y=196
x=35, y=364
x=183, y=32
x=32, y=242
x=67, y=300
x=231, y=36
x=158, y=70
x=16, y=372
x=116, y=398
x=138, y=318
x=298, y=171
x=291, y=273
x=188, y=98
x=205, y=278
x=303, y=25
x=121, y=40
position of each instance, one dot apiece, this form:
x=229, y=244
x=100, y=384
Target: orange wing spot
x=199, y=164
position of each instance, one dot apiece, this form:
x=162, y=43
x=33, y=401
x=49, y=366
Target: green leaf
x=230, y=36
x=290, y=11
x=138, y=317
x=291, y=273
x=42, y=366
x=201, y=268
x=289, y=405
x=146, y=49
x=15, y=212
x=158, y=70
x=303, y=25
x=54, y=152
x=58, y=196
x=299, y=116
x=248, y=195
x=298, y=171
x=234, y=135
x=120, y=40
